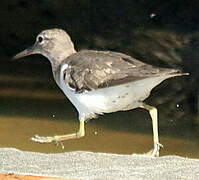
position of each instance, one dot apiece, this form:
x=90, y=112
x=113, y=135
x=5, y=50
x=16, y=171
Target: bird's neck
x=57, y=56
x=56, y=61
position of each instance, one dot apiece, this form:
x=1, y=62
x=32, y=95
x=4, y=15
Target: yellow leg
x=154, y=116
x=60, y=138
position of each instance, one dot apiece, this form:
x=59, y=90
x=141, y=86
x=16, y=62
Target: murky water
x=28, y=107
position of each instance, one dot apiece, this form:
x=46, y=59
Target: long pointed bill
x=26, y=52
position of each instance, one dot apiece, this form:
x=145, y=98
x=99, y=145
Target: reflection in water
x=31, y=108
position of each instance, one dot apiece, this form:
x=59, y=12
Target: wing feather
x=90, y=70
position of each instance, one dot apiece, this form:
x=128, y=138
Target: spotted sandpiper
x=98, y=82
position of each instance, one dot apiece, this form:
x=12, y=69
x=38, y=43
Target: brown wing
x=90, y=70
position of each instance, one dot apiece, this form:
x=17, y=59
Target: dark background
x=163, y=33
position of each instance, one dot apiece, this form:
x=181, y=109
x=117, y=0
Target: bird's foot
x=155, y=151
x=48, y=139
x=42, y=139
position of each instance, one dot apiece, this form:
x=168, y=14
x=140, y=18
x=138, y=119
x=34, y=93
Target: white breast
x=75, y=98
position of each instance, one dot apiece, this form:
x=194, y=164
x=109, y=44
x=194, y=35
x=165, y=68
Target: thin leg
x=60, y=138
x=154, y=116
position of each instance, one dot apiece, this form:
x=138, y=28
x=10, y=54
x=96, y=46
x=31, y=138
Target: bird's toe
x=42, y=139
x=155, y=152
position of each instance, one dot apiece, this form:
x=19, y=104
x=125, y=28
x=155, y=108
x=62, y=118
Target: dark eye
x=40, y=39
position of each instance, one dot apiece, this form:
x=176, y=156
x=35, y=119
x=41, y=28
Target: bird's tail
x=175, y=72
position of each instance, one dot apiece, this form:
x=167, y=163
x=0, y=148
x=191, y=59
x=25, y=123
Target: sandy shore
x=88, y=165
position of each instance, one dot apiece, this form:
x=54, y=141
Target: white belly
x=118, y=98
x=111, y=99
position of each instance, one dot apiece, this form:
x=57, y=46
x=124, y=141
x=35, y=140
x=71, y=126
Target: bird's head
x=55, y=44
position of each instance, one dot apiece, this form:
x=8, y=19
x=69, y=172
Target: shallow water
x=32, y=106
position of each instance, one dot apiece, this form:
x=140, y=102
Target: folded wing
x=91, y=70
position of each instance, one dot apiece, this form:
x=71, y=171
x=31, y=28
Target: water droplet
x=152, y=15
